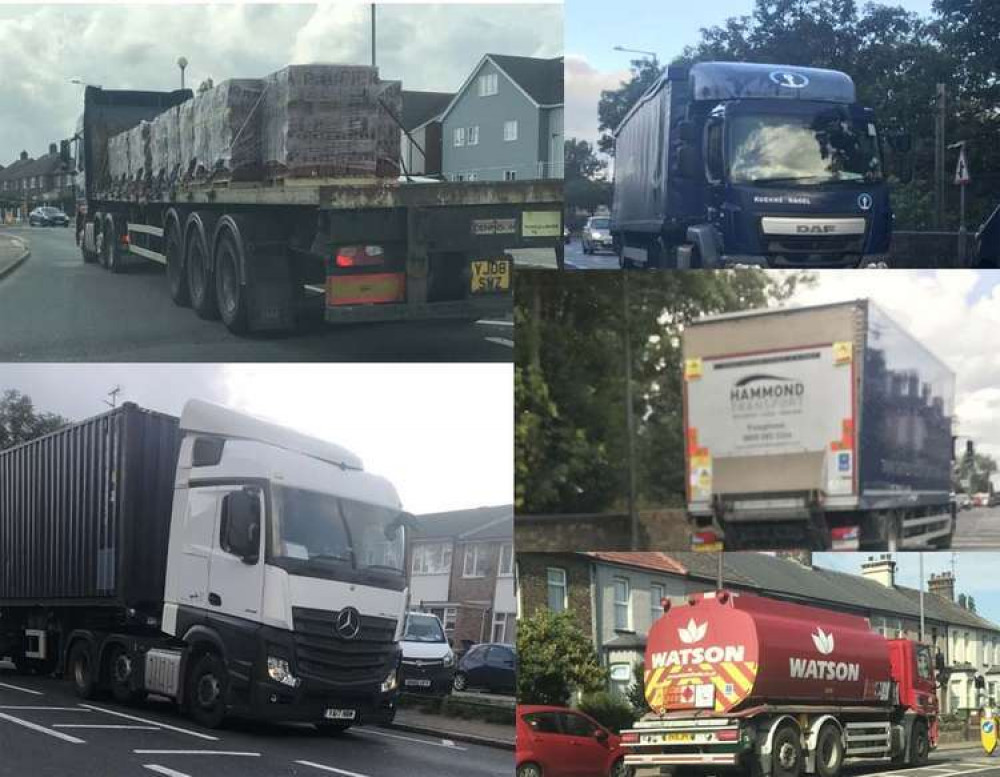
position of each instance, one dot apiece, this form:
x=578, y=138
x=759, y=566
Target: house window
x=474, y=135
x=475, y=560
x=432, y=558
x=459, y=177
x=488, y=85
x=557, y=589
x=621, y=678
x=459, y=136
x=471, y=176
x=500, y=627
x=506, y=560
x=510, y=175
x=510, y=130
x=656, y=594
x=623, y=594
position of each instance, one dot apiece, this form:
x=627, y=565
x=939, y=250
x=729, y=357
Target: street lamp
x=650, y=54
x=78, y=82
x=182, y=63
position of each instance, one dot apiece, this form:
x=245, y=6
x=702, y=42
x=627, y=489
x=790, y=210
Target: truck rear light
x=727, y=734
x=360, y=256
x=665, y=604
x=722, y=597
x=629, y=738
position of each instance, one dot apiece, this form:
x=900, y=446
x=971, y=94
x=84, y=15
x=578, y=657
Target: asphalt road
x=45, y=731
x=576, y=259
x=943, y=763
x=56, y=308
x=977, y=529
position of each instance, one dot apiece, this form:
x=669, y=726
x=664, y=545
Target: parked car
x=982, y=499
x=47, y=216
x=964, y=501
x=597, y=235
x=428, y=660
x=560, y=742
x=491, y=666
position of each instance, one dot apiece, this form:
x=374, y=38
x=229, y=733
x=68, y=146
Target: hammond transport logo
x=763, y=392
x=811, y=669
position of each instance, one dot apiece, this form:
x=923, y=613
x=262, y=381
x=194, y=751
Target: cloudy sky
x=592, y=32
x=975, y=573
x=428, y=47
x=955, y=313
x=443, y=434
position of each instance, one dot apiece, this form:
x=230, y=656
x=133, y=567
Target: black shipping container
x=85, y=512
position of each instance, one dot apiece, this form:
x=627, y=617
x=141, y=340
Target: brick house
x=27, y=183
x=461, y=568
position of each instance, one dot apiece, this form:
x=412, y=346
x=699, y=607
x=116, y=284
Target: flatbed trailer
x=254, y=253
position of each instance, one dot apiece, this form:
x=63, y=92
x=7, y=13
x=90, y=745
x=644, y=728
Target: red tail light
x=360, y=256
x=629, y=738
x=727, y=735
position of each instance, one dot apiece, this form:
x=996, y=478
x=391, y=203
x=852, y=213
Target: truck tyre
x=113, y=259
x=208, y=689
x=82, y=669
x=231, y=295
x=786, y=753
x=829, y=751
x=200, y=278
x=176, y=279
x=919, y=745
x=332, y=729
x=121, y=669
x=529, y=770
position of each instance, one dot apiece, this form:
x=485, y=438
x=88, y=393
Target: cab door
x=236, y=574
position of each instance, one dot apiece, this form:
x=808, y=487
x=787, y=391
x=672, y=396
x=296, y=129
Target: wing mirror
x=241, y=524
x=403, y=519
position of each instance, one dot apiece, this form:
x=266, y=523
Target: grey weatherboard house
x=506, y=121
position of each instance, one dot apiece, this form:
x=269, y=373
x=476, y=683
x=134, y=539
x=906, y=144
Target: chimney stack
x=53, y=148
x=882, y=570
x=24, y=156
x=942, y=585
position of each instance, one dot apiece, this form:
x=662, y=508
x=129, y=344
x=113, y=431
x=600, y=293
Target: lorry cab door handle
x=215, y=599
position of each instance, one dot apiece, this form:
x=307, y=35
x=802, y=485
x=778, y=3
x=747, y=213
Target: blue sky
x=975, y=573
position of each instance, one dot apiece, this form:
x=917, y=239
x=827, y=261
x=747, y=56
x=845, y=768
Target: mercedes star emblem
x=348, y=623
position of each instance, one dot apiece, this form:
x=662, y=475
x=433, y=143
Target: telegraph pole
x=633, y=514
x=373, y=34
x=939, y=158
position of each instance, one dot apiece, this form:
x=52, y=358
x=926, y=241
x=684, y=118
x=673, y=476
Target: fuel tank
x=723, y=651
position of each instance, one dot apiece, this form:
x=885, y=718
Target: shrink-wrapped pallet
x=118, y=161
x=326, y=121
x=227, y=129
x=185, y=127
x=140, y=152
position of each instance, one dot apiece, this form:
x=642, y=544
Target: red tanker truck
x=779, y=689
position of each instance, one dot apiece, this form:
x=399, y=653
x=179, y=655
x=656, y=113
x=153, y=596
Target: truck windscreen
x=327, y=536
x=823, y=147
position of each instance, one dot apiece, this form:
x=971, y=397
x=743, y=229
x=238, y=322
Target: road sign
x=962, y=169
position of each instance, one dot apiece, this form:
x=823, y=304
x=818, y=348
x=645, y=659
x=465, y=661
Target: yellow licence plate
x=490, y=275
x=680, y=737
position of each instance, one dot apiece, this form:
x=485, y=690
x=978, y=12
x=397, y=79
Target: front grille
x=324, y=654
x=423, y=663
x=815, y=244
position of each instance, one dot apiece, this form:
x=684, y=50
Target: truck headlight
x=449, y=660
x=390, y=682
x=279, y=671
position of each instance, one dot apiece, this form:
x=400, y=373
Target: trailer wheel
x=121, y=669
x=786, y=753
x=208, y=689
x=113, y=259
x=176, y=279
x=829, y=751
x=81, y=668
x=200, y=281
x=893, y=532
x=231, y=295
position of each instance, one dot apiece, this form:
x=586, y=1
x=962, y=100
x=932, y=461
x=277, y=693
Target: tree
x=616, y=103
x=581, y=161
x=637, y=690
x=20, y=422
x=555, y=659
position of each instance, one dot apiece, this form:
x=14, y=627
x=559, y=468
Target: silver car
x=597, y=235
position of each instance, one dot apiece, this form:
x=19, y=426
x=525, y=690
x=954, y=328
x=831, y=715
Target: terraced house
x=27, y=183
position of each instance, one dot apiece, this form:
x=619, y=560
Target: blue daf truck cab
x=729, y=163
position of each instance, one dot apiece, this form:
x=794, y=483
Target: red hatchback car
x=560, y=742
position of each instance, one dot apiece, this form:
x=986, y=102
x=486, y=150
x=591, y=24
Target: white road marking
x=23, y=690
x=95, y=725
x=489, y=322
x=408, y=739
x=196, y=752
x=913, y=769
x=331, y=769
x=152, y=722
x=164, y=770
x=45, y=709
x=500, y=341
x=448, y=743
x=42, y=729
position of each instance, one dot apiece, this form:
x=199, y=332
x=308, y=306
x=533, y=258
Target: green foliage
x=609, y=710
x=896, y=58
x=967, y=602
x=20, y=422
x=555, y=659
x=584, y=196
x=972, y=472
x=571, y=445
x=636, y=691
x=581, y=161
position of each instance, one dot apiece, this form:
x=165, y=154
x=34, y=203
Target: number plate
x=679, y=737
x=419, y=683
x=490, y=276
x=332, y=714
